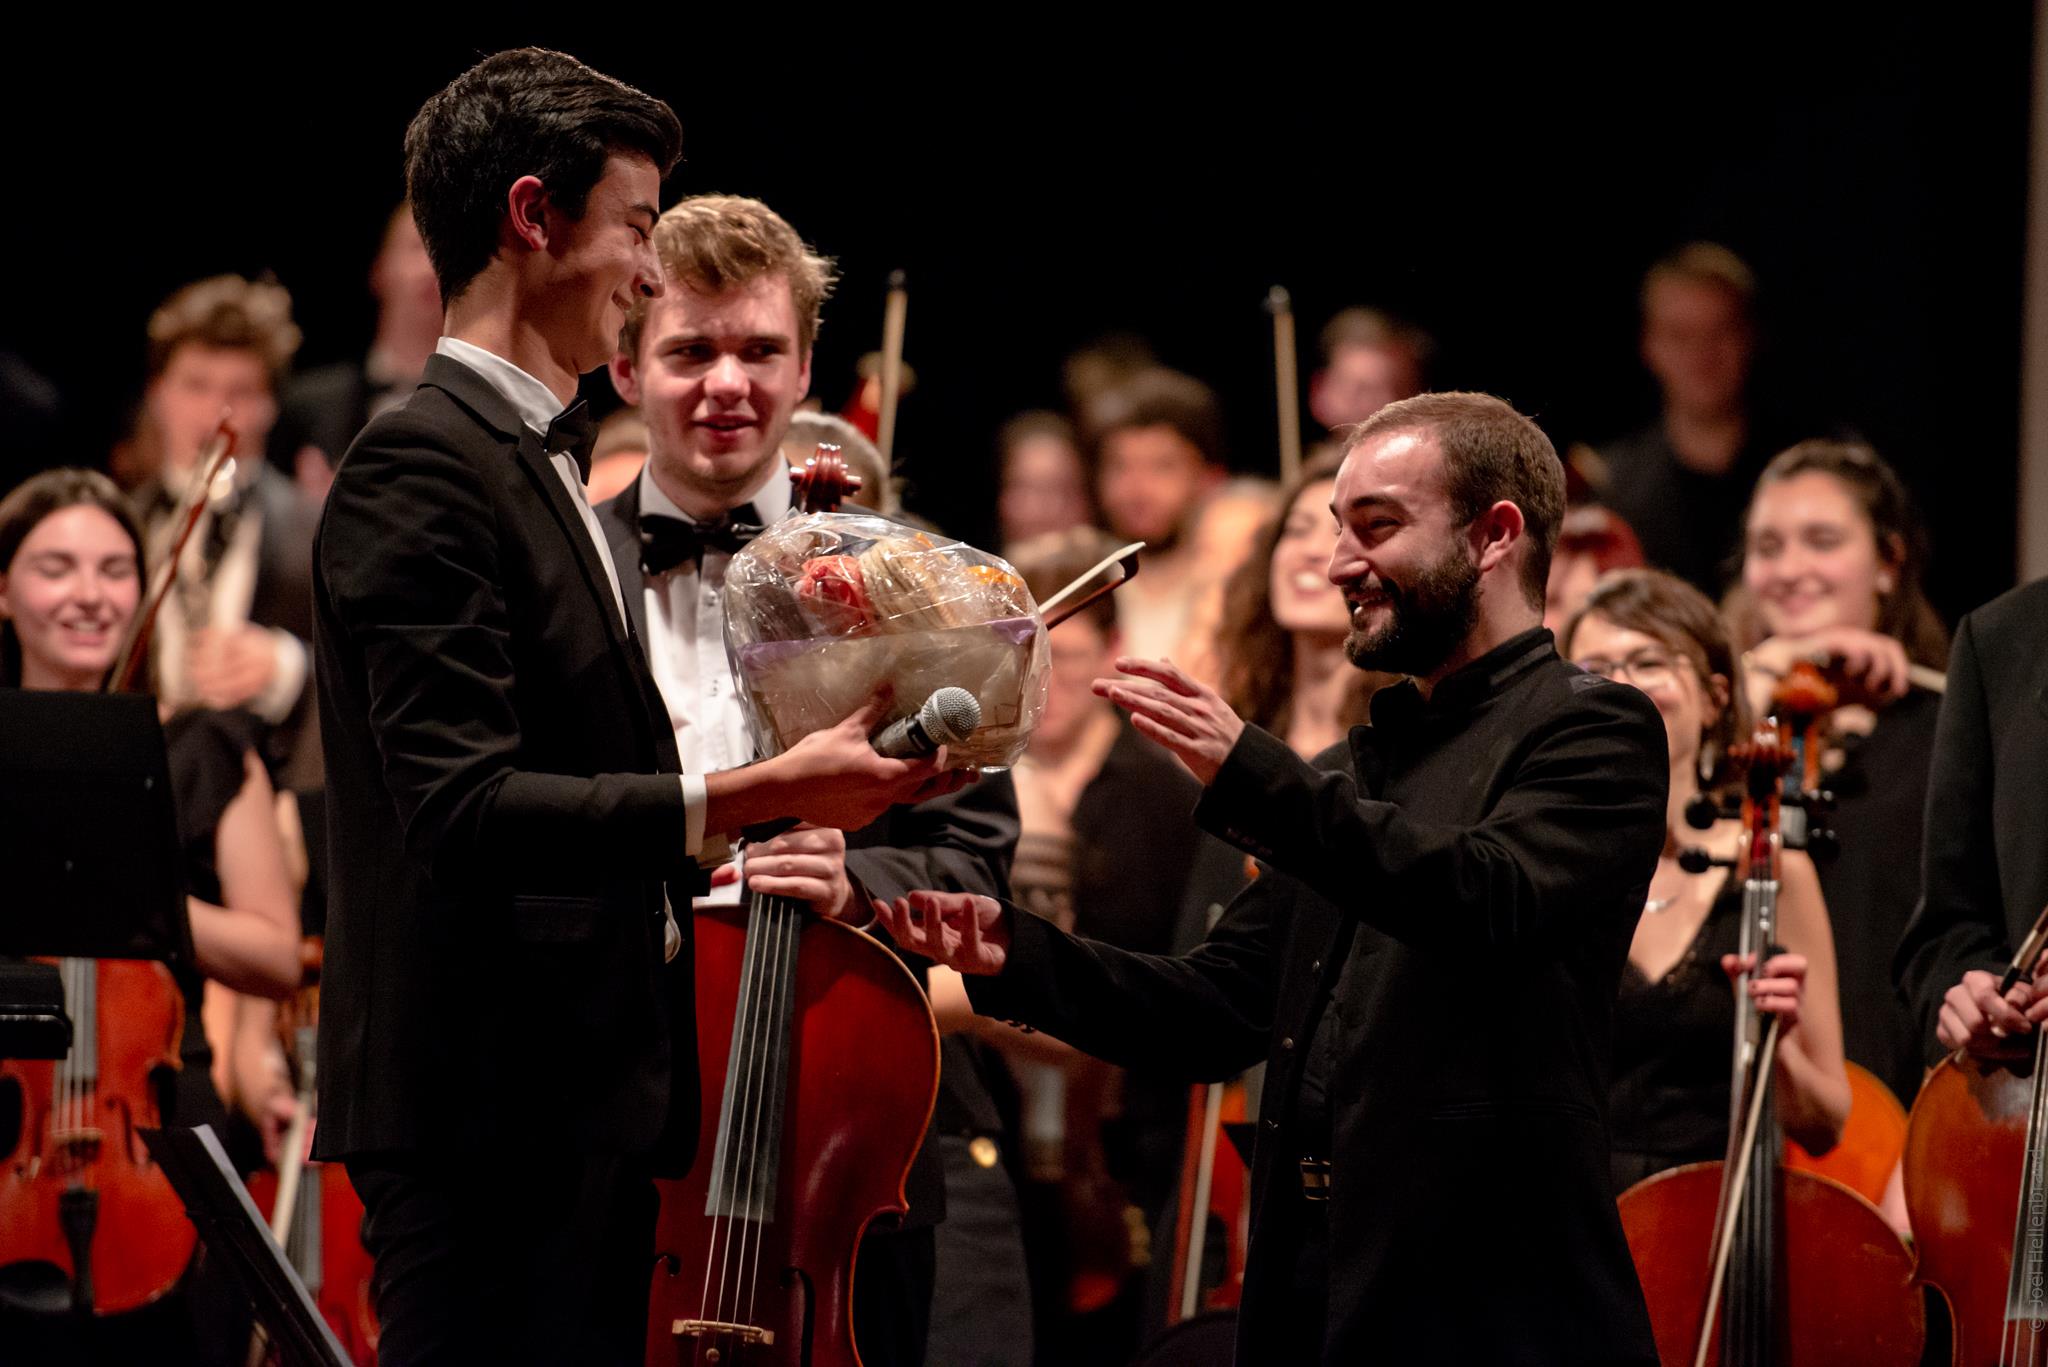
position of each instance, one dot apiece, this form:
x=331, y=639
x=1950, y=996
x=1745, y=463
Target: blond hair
x=715, y=243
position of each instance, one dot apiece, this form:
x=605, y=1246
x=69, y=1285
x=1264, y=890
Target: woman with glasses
x=1675, y=1020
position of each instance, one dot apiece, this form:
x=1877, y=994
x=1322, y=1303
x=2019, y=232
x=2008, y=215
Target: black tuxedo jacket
x=1471, y=871
x=503, y=808
x=1984, y=864
x=962, y=842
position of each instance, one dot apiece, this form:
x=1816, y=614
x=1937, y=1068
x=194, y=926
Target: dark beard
x=1428, y=620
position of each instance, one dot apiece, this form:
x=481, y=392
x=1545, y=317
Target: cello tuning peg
x=1702, y=812
x=1693, y=859
x=1822, y=845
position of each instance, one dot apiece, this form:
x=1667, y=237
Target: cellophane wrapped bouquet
x=822, y=610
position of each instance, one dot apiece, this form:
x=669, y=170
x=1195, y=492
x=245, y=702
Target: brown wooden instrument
x=1744, y=1262
x=1871, y=1145
x=819, y=1062
x=1977, y=1188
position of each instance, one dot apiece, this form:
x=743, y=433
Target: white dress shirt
x=538, y=407
x=685, y=610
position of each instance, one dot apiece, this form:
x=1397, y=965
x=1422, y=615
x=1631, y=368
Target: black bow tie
x=573, y=433
x=666, y=542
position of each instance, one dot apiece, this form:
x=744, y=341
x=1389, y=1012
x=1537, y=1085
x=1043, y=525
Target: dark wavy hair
x=1904, y=614
x=1257, y=652
x=25, y=509
x=528, y=112
x=1666, y=608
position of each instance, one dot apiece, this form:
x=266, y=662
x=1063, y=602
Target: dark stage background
x=1504, y=187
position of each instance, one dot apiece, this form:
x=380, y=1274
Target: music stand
x=88, y=833
x=233, y=1231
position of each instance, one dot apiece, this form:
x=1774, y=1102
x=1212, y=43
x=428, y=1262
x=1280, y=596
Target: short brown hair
x=1904, y=614
x=1377, y=331
x=228, y=313
x=1705, y=263
x=1665, y=607
x=1049, y=562
x=714, y=243
x=1159, y=398
x=1491, y=454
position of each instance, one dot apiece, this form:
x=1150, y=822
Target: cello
x=1747, y=1261
x=82, y=1203
x=818, y=1058
x=1976, y=1167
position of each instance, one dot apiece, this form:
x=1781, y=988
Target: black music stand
x=233, y=1231
x=88, y=834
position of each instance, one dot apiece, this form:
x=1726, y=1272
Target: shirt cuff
x=710, y=853
x=287, y=680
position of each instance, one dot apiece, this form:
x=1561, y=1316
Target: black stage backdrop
x=1043, y=186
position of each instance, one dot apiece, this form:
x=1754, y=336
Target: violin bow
x=217, y=455
x=1126, y=557
x=894, y=311
x=1286, y=383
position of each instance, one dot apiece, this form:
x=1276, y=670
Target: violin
x=1976, y=1181
x=819, y=1063
x=1746, y=1261
x=81, y=1200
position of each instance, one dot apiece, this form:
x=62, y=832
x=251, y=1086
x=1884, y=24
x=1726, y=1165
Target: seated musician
x=1832, y=558
x=70, y=585
x=1429, y=960
x=1674, y=1020
x=716, y=365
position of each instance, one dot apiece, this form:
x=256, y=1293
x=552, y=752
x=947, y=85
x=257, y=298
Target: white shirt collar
x=535, y=403
x=771, y=500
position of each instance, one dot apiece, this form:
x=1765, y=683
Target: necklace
x=1657, y=904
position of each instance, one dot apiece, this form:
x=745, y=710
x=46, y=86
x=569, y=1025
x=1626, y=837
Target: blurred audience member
x=1229, y=521
x=1106, y=364
x=323, y=409
x=1158, y=451
x=235, y=628
x=1283, y=665
x=1680, y=483
x=1369, y=360
x=1043, y=479
x=616, y=459
x=1592, y=541
x=1831, y=571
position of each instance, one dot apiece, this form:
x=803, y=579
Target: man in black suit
x=1984, y=866
x=507, y=1048
x=1429, y=960
x=716, y=367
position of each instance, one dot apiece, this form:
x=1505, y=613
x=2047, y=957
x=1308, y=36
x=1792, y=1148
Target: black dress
x=1881, y=794
x=1673, y=1043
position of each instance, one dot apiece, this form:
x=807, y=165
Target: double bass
x=818, y=1058
x=1747, y=1261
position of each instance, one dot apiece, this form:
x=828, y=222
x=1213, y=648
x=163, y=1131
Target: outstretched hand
x=1187, y=717
x=962, y=930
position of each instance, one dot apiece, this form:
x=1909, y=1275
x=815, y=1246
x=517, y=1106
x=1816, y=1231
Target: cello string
x=741, y=1089
x=784, y=914
x=725, y=1126
x=789, y=944
x=762, y=925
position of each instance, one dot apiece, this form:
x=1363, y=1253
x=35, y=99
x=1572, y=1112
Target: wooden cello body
x=793, y=1169
x=79, y=1192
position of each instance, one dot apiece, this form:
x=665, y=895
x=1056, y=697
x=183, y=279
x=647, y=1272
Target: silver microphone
x=948, y=717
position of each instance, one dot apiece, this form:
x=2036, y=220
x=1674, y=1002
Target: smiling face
x=1407, y=573
x=69, y=594
x=1305, y=602
x=717, y=378
x=1811, y=559
x=1688, y=703
x=599, y=262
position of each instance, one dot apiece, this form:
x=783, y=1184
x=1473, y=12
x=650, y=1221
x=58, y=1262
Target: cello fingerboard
x=748, y=1156
x=2026, y=1293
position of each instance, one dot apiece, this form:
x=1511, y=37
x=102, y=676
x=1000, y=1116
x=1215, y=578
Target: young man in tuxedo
x=716, y=366
x=507, y=1049
x=1429, y=961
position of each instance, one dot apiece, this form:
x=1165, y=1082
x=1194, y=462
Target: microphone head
x=950, y=715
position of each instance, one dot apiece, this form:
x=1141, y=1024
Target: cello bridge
x=735, y=1335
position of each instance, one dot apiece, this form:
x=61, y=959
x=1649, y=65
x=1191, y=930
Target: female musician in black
x=1674, y=1024
x=70, y=584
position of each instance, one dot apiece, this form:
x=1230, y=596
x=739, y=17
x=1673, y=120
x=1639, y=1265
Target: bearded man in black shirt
x=1428, y=963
